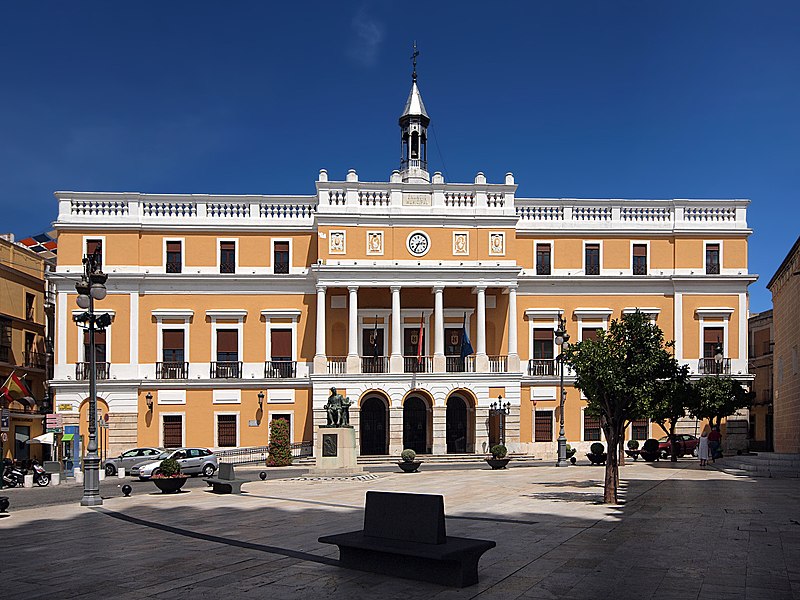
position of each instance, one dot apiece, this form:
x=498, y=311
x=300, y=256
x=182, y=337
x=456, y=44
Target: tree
x=616, y=373
x=719, y=397
x=280, y=451
x=671, y=399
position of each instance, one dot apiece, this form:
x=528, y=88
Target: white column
x=353, y=361
x=320, y=355
x=513, y=354
x=439, y=364
x=396, y=359
x=134, y=331
x=481, y=360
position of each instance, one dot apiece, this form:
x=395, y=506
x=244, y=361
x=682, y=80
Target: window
x=592, y=259
x=30, y=311
x=543, y=344
x=173, y=365
x=712, y=259
x=591, y=428
x=95, y=247
x=174, y=258
x=281, y=345
x=543, y=426
x=712, y=337
x=281, y=257
x=227, y=345
x=640, y=429
x=227, y=257
x=32, y=358
x=640, y=259
x=173, y=431
x=590, y=333
x=99, y=347
x=5, y=340
x=543, y=259
x=226, y=431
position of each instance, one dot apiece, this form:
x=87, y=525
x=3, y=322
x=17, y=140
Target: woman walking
x=702, y=448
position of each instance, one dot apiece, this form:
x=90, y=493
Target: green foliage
x=671, y=398
x=280, y=451
x=597, y=448
x=570, y=451
x=498, y=451
x=408, y=455
x=169, y=467
x=719, y=397
x=633, y=444
x=650, y=446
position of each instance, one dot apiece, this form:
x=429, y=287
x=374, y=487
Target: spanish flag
x=14, y=388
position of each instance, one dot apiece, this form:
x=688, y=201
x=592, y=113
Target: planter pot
x=634, y=454
x=498, y=463
x=409, y=467
x=649, y=456
x=169, y=485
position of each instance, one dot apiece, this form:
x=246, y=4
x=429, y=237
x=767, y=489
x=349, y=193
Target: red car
x=685, y=444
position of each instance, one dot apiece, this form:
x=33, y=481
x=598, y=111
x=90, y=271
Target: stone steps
x=761, y=465
x=429, y=458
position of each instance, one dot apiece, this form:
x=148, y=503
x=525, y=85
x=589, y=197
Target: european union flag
x=466, y=346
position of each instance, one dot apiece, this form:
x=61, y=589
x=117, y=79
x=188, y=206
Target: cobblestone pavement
x=681, y=532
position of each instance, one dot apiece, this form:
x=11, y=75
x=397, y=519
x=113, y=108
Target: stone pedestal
x=336, y=453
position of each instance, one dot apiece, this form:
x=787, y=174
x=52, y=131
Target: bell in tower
x=414, y=134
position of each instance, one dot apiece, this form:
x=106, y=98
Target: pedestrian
x=702, y=448
x=714, y=442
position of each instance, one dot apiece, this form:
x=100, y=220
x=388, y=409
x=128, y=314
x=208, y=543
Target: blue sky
x=597, y=99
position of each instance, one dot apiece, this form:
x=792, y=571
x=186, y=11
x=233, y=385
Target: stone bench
x=404, y=536
x=225, y=482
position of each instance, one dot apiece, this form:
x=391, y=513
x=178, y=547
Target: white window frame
x=552, y=245
x=552, y=411
x=280, y=313
x=640, y=243
x=650, y=312
x=216, y=427
x=102, y=239
x=721, y=316
x=183, y=254
x=272, y=255
x=383, y=317
x=600, y=257
x=291, y=422
x=592, y=315
x=544, y=317
x=235, y=241
x=705, y=247
x=172, y=315
x=161, y=416
x=227, y=315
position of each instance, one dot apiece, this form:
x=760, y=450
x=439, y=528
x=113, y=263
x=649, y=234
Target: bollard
x=102, y=474
x=121, y=473
x=55, y=478
x=28, y=480
x=79, y=476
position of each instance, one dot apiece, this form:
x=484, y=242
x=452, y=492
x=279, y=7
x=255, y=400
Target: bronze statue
x=338, y=409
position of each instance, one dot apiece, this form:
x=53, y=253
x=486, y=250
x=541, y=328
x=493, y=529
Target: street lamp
x=501, y=410
x=562, y=341
x=92, y=287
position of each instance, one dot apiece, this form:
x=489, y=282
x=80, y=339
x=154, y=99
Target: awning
x=67, y=437
x=45, y=438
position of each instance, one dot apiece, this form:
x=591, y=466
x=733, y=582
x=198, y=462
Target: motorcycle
x=40, y=476
x=12, y=475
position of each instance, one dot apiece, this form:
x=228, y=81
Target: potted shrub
x=633, y=449
x=280, y=449
x=571, y=454
x=409, y=464
x=597, y=454
x=499, y=458
x=168, y=477
x=650, y=450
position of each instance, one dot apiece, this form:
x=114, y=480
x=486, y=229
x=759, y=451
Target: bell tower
x=414, y=134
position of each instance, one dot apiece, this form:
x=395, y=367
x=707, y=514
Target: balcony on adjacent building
x=280, y=369
x=82, y=370
x=226, y=369
x=714, y=366
x=35, y=360
x=172, y=370
x=542, y=367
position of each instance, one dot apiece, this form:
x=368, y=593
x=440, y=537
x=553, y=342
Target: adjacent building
x=423, y=301
x=761, y=430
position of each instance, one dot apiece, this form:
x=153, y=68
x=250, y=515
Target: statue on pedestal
x=338, y=409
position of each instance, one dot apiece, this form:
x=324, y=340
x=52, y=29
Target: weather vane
x=414, y=59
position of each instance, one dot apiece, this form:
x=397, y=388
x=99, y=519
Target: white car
x=193, y=461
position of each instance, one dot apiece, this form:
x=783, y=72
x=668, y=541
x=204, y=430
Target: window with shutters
x=173, y=431
x=226, y=431
x=713, y=337
x=95, y=247
x=543, y=343
x=590, y=333
x=591, y=428
x=227, y=257
x=99, y=346
x=227, y=345
x=280, y=259
x=640, y=259
x=592, y=259
x=712, y=259
x=173, y=345
x=174, y=257
x=281, y=344
x=543, y=426
x=640, y=429
x=30, y=307
x=543, y=259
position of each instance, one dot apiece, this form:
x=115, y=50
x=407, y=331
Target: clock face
x=418, y=243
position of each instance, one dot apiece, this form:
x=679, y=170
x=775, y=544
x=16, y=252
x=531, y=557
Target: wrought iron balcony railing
x=82, y=370
x=713, y=366
x=374, y=364
x=457, y=364
x=418, y=364
x=172, y=370
x=35, y=360
x=226, y=369
x=280, y=369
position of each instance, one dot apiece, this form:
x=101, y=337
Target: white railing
x=225, y=210
x=374, y=198
x=99, y=208
x=498, y=364
x=337, y=365
x=459, y=199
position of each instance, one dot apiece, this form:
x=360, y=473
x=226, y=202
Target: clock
x=418, y=243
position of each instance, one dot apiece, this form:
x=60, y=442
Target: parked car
x=685, y=444
x=129, y=459
x=193, y=461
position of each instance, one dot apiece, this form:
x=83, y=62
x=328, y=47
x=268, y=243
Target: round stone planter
x=409, y=467
x=498, y=463
x=169, y=485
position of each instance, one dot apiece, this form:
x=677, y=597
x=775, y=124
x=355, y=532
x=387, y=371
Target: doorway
x=456, y=426
x=372, y=427
x=415, y=425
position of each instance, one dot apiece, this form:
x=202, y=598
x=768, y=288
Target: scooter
x=12, y=475
x=40, y=477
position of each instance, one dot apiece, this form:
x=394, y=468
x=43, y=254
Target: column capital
x=438, y=288
x=352, y=288
x=395, y=288
x=512, y=288
x=321, y=288
x=479, y=288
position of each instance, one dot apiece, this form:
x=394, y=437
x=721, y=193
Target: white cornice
x=543, y=313
x=641, y=309
x=714, y=312
x=278, y=313
x=172, y=313
x=226, y=313
x=589, y=313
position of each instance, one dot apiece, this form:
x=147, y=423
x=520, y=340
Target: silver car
x=129, y=459
x=193, y=461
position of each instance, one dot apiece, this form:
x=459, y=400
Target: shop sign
x=66, y=407
x=53, y=430
x=5, y=420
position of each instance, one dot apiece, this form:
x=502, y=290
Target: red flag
x=14, y=388
x=421, y=334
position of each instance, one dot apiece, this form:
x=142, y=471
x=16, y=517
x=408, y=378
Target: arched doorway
x=415, y=425
x=373, y=427
x=456, y=426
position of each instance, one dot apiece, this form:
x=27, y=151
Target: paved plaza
x=681, y=532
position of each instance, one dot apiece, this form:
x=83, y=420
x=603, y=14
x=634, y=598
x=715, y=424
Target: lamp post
x=92, y=287
x=562, y=341
x=502, y=410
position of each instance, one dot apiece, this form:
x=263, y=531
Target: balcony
x=281, y=268
x=35, y=360
x=713, y=366
x=280, y=369
x=226, y=369
x=456, y=364
x=82, y=370
x=337, y=365
x=417, y=364
x=174, y=266
x=172, y=370
x=374, y=364
x=498, y=364
x=542, y=367
x=227, y=267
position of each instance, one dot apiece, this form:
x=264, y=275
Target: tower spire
x=414, y=59
x=414, y=127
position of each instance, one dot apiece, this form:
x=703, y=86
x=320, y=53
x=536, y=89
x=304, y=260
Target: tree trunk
x=622, y=451
x=612, y=467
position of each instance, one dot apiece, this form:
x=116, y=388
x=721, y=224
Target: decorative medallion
x=329, y=444
x=497, y=243
x=375, y=242
x=418, y=243
x=460, y=243
x=336, y=242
